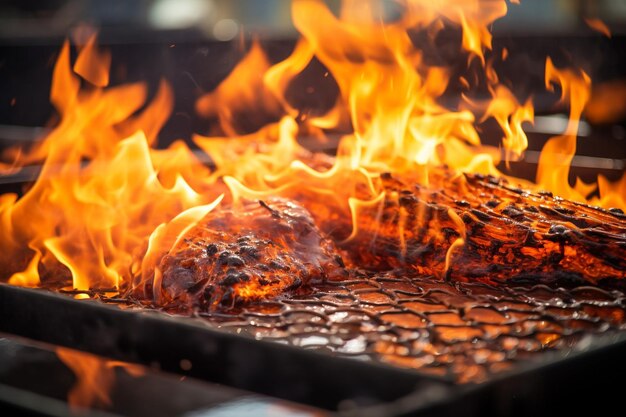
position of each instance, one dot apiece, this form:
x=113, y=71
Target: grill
x=521, y=379
x=376, y=344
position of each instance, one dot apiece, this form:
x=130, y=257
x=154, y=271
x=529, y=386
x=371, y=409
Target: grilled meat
x=261, y=250
x=270, y=249
x=510, y=234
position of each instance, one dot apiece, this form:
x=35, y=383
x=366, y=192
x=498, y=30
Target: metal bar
x=562, y=380
x=34, y=380
x=153, y=338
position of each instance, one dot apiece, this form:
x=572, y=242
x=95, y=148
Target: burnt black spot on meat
x=274, y=264
x=233, y=277
x=512, y=212
x=449, y=232
x=227, y=299
x=234, y=260
x=296, y=284
x=249, y=251
x=229, y=280
x=223, y=256
x=531, y=209
x=480, y=215
x=211, y=249
x=617, y=211
x=408, y=200
x=563, y=210
x=558, y=233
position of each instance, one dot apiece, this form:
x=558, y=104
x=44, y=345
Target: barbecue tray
x=587, y=376
x=582, y=373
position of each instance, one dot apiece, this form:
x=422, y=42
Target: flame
x=100, y=193
x=558, y=152
x=599, y=26
x=108, y=203
x=242, y=90
x=95, y=378
x=165, y=237
x=607, y=103
x=93, y=65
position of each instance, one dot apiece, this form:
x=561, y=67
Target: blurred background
x=29, y=20
x=194, y=44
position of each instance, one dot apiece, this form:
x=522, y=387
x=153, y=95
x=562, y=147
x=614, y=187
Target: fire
x=108, y=204
x=599, y=26
x=559, y=151
x=91, y=195
x=95, y=378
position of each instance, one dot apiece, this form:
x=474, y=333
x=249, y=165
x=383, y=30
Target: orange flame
x=107, y=204
x=100, y=193
x=599, y=26
x=558, y=152
x=93, y=65
x=95, y=378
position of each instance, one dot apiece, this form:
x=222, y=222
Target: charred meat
x=260, y=250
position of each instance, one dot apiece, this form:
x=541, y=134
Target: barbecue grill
x=378, y=343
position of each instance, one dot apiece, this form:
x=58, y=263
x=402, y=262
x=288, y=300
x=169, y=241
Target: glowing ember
x=410, y=189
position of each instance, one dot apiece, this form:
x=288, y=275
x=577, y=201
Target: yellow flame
x=107, y=204
x=558, y=152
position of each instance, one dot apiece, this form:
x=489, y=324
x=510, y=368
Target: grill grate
x=465, y=332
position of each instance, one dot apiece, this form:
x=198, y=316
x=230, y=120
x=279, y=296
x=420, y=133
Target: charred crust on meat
x=249, y=251
x=211, y=249
x=276, y=264
x=223, y=255
x=273, y=212
x=508, y=232
x=512, y=212
x=234, y=260
x=232, y=253
x=297, y=283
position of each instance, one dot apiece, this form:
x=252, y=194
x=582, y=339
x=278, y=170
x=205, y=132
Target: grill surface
x=579, y=376
x=464, y=332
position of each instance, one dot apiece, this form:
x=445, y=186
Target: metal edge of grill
x=557, y=381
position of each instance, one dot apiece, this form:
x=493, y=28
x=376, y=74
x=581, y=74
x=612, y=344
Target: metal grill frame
x=309, y=377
